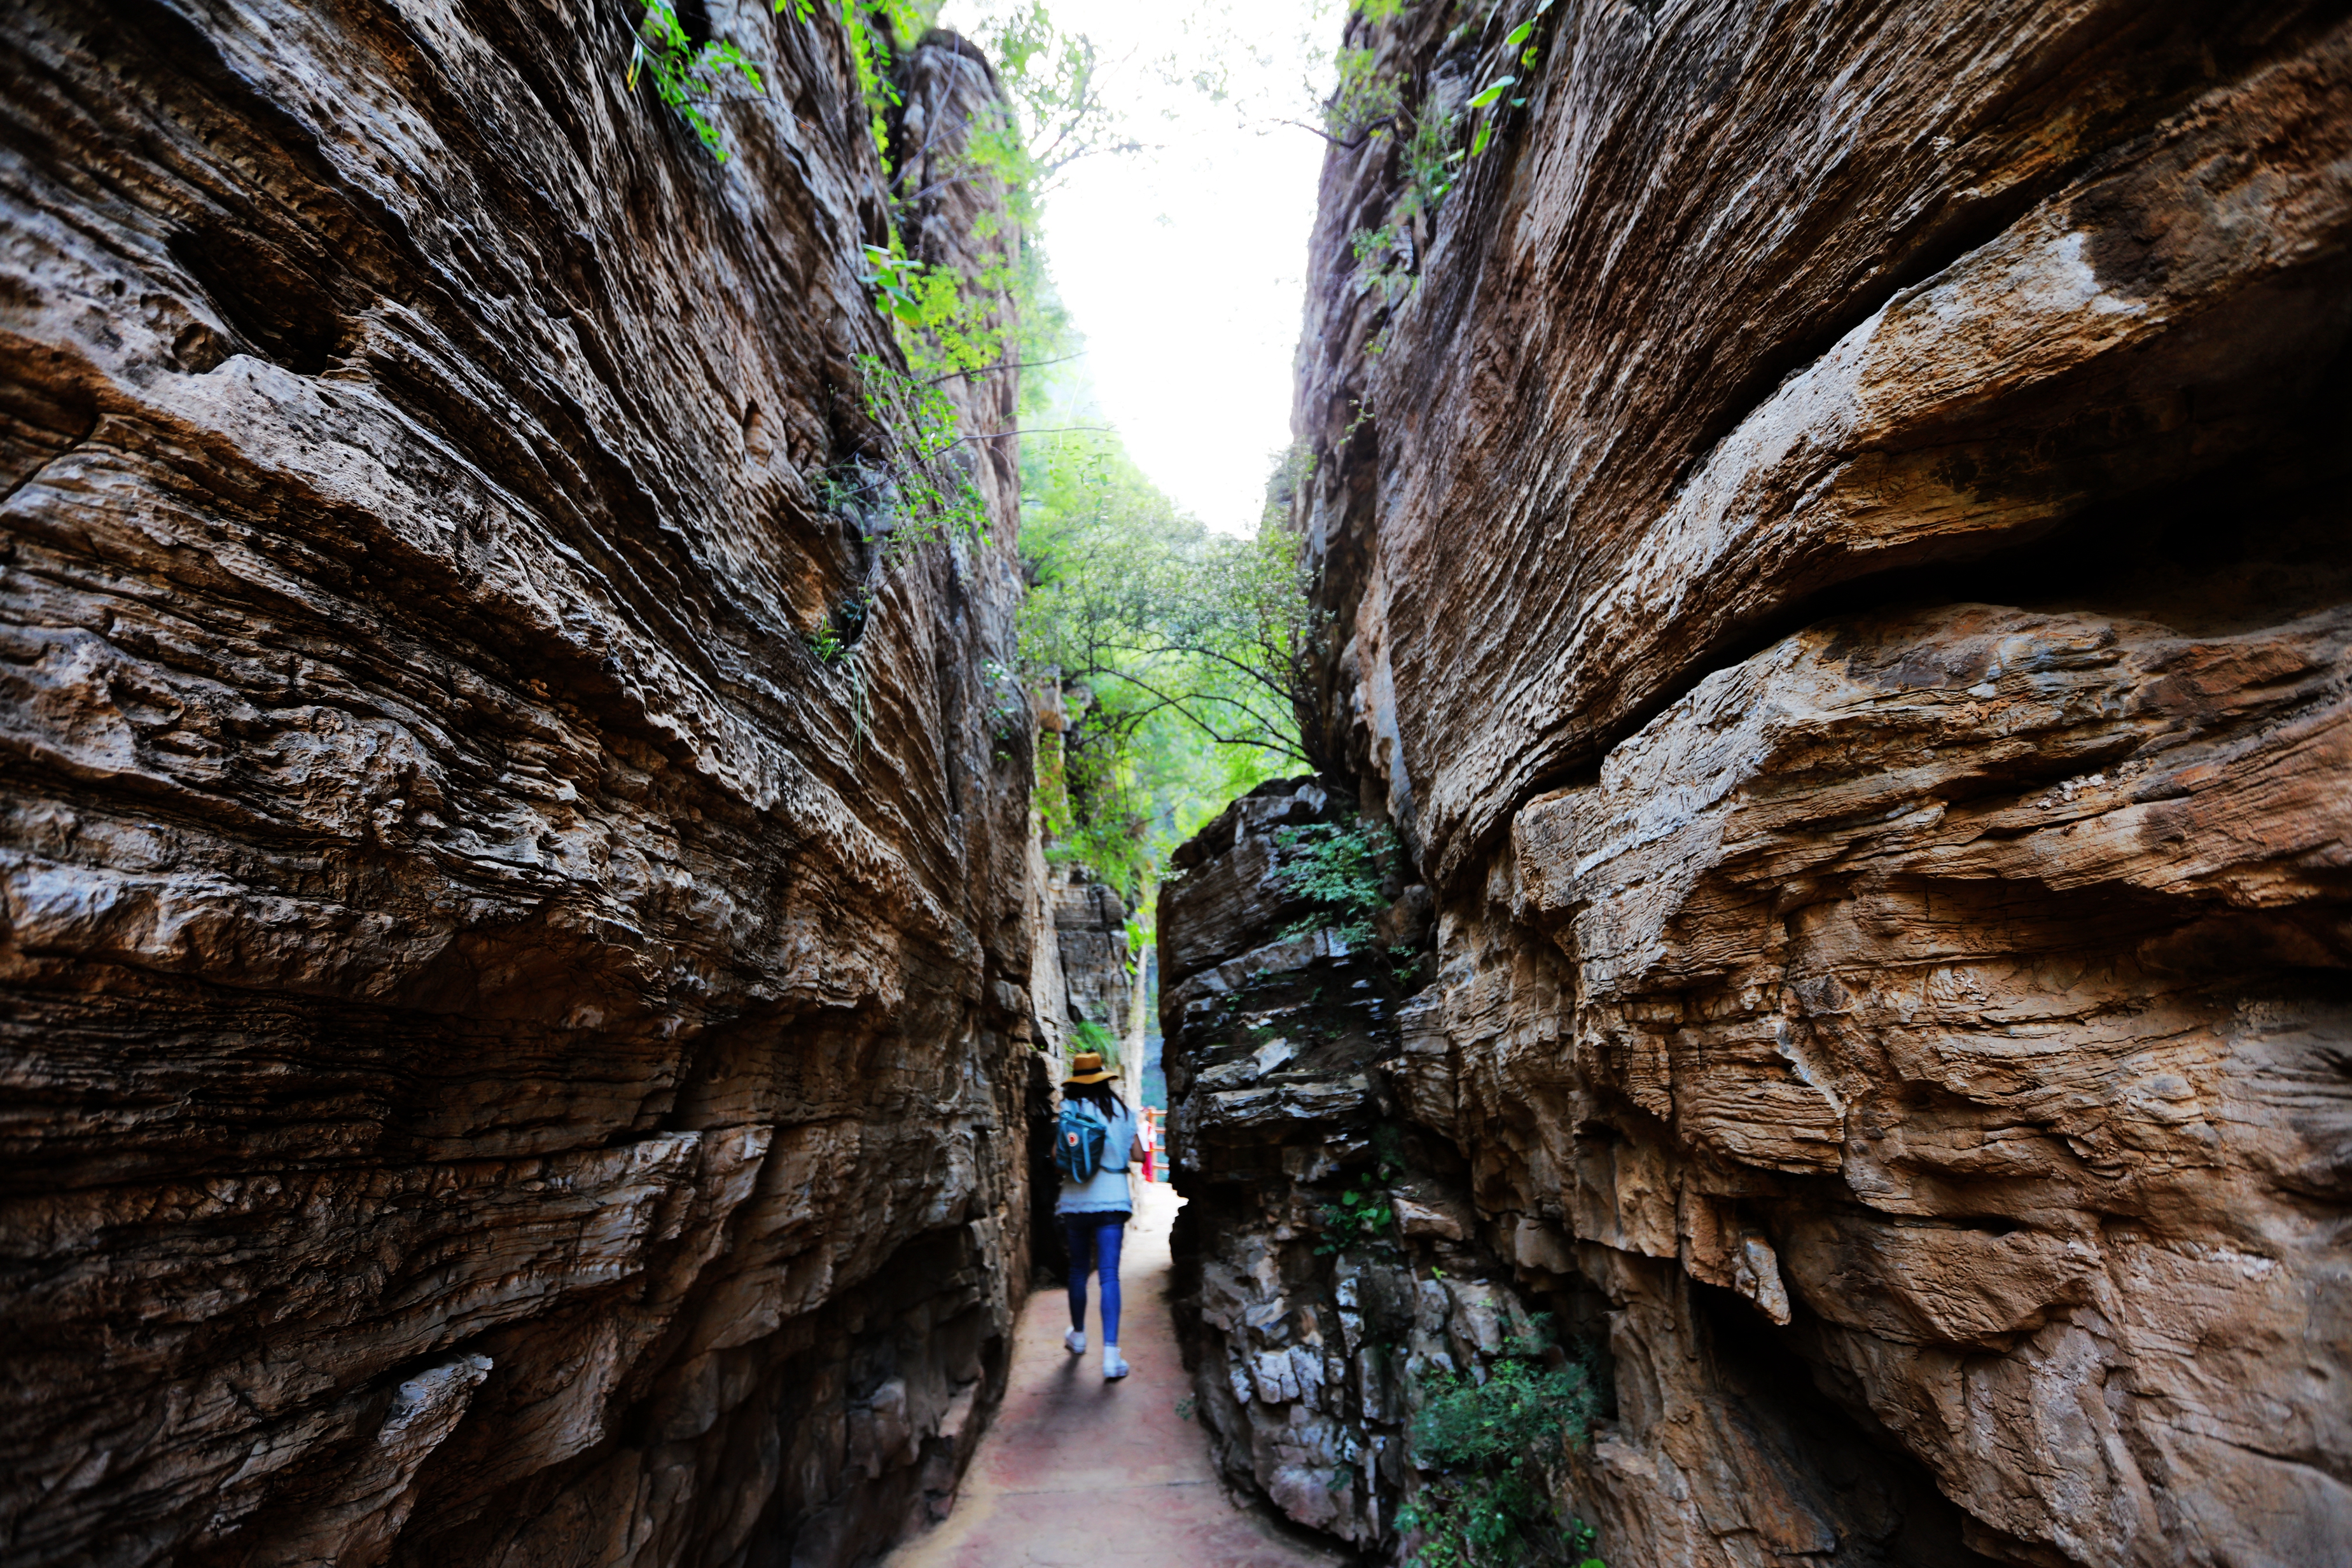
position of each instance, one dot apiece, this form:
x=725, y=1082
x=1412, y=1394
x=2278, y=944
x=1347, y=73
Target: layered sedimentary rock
x=511, y=1056
x=1311, y=1067
x=1835, y=531
x=1306, y=1348
x=1090, y=931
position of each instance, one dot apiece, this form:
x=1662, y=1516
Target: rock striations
x=1835, y=531
x=511, y=1057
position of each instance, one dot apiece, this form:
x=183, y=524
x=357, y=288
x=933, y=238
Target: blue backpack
x=1078, y=1141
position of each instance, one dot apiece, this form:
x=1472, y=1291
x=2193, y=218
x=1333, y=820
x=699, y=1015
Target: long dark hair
x=1101, y=1096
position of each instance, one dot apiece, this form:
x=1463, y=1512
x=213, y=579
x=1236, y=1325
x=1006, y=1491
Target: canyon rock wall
x=1312, y=1072
x=512, y=1058
x=1834, y=524
x=1090, y=928
x=1306, y=1347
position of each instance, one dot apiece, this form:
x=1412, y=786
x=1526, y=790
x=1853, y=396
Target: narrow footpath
x=1081, y=1473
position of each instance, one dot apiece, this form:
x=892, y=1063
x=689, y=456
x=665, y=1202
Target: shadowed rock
x=511, y=1057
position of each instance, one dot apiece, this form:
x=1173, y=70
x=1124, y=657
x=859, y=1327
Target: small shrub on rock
x=1496, y=1447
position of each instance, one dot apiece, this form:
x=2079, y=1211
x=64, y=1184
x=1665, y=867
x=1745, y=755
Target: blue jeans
x=1094, y=1242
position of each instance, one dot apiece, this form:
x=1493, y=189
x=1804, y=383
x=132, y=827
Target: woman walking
x=1095, y=1211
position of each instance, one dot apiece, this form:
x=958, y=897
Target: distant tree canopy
x=1182, y=656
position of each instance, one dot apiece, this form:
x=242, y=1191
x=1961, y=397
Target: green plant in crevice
x=1498, y=1450
x=920, y=493
x=690, y=77
x=1366, y=1213
x=1491, y=100
x=1363, y=1215
x=898, y=282
x=872, y=28
x=828, y=644
x=1432, y=161
x=1385, y=256
x=1008, y=705
x=926, y=487
x=1342, y=869
x=1370, y=102
x=1383, y=253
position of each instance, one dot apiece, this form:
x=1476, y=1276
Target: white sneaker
x=1114, y=1363
x=1077, y=1340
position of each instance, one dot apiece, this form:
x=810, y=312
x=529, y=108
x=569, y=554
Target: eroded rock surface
x=1090, y=931
x=1310, y=1350
x=511, y=1057
x=1837, y=543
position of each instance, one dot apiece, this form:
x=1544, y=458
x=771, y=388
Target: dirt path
x=1080, y=1473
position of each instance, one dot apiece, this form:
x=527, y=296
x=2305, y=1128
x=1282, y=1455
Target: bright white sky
x=1184, y=266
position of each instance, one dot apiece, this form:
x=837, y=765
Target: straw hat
x=1086, y=1067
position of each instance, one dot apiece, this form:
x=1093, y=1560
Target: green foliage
x=1362, y=1215
x=828, y=644
x=927, y=493
x=1088, y=1035
x=1342, y=867
x=1496, y=1425
x=897, y=281
x=1366, y=99
x=872, y=28
x=1370, y=101
x=1432, y=161
x=1499, y=1448
x=1008, y=704
x=1051, y=113
x=1489, y=93
x=1056, y=113
x=689, y=78
x=1382, y=251
x=921, y=493
x=1179, y=654
x=1490, y=102
x=1060, y=114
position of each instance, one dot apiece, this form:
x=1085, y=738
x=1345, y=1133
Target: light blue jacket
x=1107, y=1191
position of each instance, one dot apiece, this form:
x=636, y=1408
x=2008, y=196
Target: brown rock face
x=1090, y=931
x=1310, y=1350
x=1841, y=576
x=509, y=1058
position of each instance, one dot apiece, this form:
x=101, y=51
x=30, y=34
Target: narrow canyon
x=534, y=988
